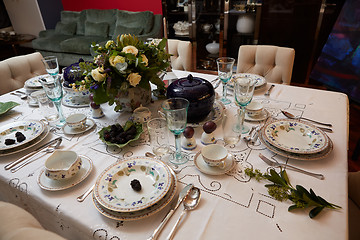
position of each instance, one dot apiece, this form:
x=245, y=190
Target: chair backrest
x=181, y=52
x=272, y=62
x=16, y=70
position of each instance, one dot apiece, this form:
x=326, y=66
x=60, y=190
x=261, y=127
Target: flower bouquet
x=122, y=65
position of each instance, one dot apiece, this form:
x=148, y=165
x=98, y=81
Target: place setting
x=133, y=189
x=295, y=139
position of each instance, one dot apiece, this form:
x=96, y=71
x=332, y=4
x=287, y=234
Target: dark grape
x=20, y=137
x=94, y=105
x=189, y=132
x=135, y=184
x=9, y=141
x=91, y=97
x=209, y=127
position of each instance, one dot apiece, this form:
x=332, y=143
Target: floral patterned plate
x=30, y=129
x=147, y=212
x=34, y=81
x=28, y=145
x=113, y=187
x=261, y=82
x=297, y=156
x=295, y=136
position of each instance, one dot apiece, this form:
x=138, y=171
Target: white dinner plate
x=205, y=168
x=34, y=81
x=31, y=129
x=147, y=212
x=56, y=185
x=304, y=157
x=28, y=145
x=71, y=131
x=295, y=136
x=261, y=82
x=113, y=189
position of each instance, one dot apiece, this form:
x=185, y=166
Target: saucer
x=68, y=130
x=205, y=168
x=261, y=117
x=75, y=102
x=56, y=185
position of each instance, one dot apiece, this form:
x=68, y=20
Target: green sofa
x=72, y=37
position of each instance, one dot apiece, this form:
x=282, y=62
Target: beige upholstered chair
x=354, y=205
x=18, y=224
x=16, y=70
x=272, y=62
x=181, y=54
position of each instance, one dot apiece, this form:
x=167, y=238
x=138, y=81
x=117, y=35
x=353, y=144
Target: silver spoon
x=190, y=203
x=291, y=116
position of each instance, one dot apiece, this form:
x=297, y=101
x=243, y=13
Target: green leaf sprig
x=282, y=190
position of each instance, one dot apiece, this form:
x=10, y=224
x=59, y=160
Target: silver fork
x=276, y=164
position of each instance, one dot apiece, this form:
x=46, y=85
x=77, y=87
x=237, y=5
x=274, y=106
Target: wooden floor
x=354, y=124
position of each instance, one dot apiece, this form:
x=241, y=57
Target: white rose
x=130, y=49
x=145, y=61
x=116, y=59
x=97, y=75
x=134, y=79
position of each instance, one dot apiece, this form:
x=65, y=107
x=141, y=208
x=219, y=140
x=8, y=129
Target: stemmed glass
x=175, y=110
x=54, y=92
x=244, y=91
x=51, y=65
x=225, y=67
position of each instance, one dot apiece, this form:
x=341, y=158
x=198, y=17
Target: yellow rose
x=145, y=61
x=130, y=49
x=134, y=79
x=109, y=43
x=97, y=75
x=116, y=59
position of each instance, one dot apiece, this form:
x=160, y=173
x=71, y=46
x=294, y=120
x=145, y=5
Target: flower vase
x=133, y=98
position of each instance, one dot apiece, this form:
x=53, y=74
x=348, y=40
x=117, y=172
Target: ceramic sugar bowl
x=62, y=165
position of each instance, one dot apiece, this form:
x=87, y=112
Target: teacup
x=214, y=155
x=254, y=108
x=62, y=165
x=76, y=121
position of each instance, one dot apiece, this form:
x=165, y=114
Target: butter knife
x=276, y=164
x=182, y=195
x=13, y=164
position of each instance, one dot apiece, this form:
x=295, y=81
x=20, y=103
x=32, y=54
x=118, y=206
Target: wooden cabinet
x=212, y=26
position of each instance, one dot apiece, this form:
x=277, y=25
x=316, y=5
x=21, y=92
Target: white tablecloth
x=231, y=207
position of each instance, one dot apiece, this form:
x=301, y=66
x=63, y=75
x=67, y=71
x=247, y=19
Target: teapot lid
x=190, y=81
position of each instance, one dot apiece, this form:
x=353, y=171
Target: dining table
x=232, y=205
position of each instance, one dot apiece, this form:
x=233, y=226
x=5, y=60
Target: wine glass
x=51, y=65
x=175, y=110
x=225, y=67
x=244, y=91
x=54, y=92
